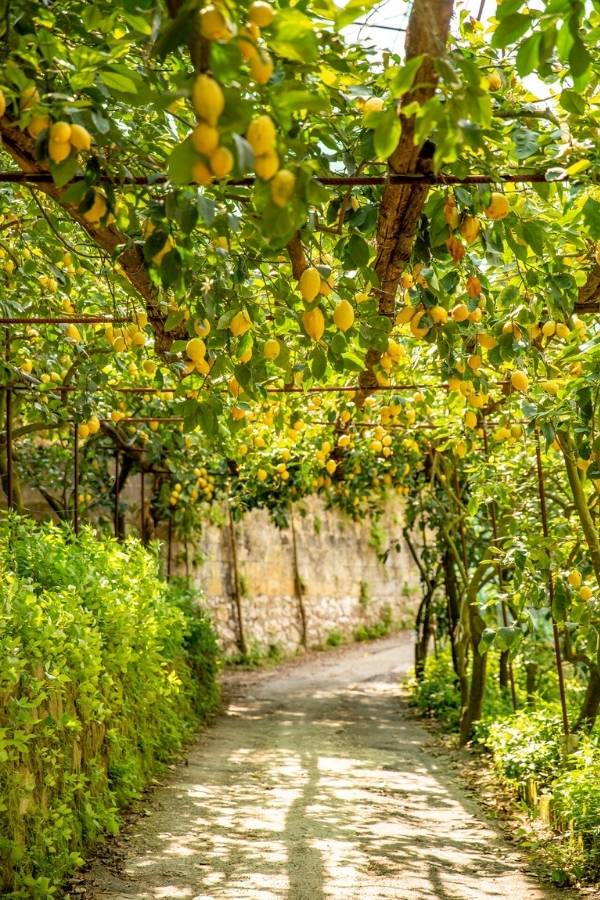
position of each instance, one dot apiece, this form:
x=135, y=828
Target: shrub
x=527, y=744
x=106, y=672
x=437, y=694
x=335, y=638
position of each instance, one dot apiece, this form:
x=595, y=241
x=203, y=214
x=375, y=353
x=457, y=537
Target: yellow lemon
x=314, y=323
x=343, y=315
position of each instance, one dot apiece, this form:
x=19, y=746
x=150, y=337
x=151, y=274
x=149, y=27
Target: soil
x=314, y=783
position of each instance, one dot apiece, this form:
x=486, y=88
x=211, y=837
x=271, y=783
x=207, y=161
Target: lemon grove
x=257, y=261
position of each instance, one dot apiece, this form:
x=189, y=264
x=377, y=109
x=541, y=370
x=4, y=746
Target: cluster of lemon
x=469, y=226
x=196, y=352
x=204, y=484
x=128, y=337
x=380, y=442
x=215, y=25
x=312, y=286
x=92, y=426
x=262, y=137
x=217, y=160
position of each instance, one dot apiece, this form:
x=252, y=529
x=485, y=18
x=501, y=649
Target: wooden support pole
x=298, y=586
x=237, y=593
x=76, y=477
x=544, y=518
x=117, y=496
x=9, y=437
x=495, y=535
x=142, y=507
x=170, y=548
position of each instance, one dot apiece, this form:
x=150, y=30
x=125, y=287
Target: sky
x=394, y=15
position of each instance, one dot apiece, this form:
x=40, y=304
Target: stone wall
x=341, y=581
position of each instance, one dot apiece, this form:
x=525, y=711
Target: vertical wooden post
x=237, y=594
x=9, y=453
x=117, y=495
x=298, y=589
x=495, y=536
x=544, y=518
x=76, y=477
x=170, y=547
x=142, y=507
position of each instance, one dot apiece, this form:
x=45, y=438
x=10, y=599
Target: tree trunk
x=588, y=712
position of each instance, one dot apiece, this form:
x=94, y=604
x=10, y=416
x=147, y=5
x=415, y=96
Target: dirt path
x=314, y=785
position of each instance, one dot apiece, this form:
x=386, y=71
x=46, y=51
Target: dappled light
x=334, y=794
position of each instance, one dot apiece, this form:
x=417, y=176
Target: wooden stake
x=237, y=594
x=170, y=548
x=298, y=583
x=117, y=495
x=9, y=447
x=544, y=518
x=142, y=508
x=76, y=477
x=494, y=522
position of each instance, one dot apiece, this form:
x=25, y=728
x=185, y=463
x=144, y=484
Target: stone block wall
x=342, y=582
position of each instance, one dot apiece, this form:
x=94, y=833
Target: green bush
x=527, y=745
x=105, y=672
x=437, y=694
x=335, y=638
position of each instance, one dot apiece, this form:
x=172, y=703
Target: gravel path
x=314, y=784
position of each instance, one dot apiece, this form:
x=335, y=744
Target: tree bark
x=402, y=204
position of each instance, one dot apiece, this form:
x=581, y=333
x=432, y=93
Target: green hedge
x=105, y=672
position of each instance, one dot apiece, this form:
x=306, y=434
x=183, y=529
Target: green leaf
x=294, y=37
x=510, y=30
x=180, y=162
x=534, y=233
x=318, y=363
x=591, y=215
x=64, y=172
x=352, y=11
x=405, y=76
x=528, y=54
x=387, y=134
x=117, y=81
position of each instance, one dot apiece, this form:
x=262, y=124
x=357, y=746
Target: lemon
x=261, y=67
x=37, y=125
x=309, y=284
x=331, y=466
x=261, y=13
x=201, y=174
x=208, y=99
x=80, y=138
x=94, y=425
x=314, y=323
x=261, y=135
x=282, y=187
x=498, y=208
x=205, y=139
x=460, y=313
x=58, y=151
x=97, y=210
x=213, y=24
x=519, y=381
x=372, y=104
x=266, y=165
x=586, y=593
x=470, y=228
x=261, y=474
x=195, y=349
x=343, y=315
x=470, y=419
x=60, y=132
x=272, y=349
x=574, y=578
x=438, y=315
x=221, y=162
x=240, y=323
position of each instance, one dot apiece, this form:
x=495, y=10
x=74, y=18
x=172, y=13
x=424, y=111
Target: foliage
x=106, y=673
